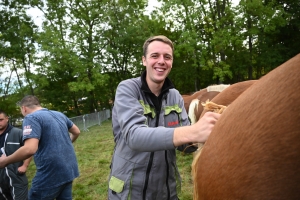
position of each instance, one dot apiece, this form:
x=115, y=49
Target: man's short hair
x=160, y=38
x=29, y=101
x=3, y=112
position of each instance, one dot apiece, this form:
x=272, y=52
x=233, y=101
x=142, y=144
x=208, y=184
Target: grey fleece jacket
x=144, y=161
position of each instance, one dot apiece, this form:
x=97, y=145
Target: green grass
x=94, y=151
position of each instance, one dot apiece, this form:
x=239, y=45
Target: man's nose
x=161, y=59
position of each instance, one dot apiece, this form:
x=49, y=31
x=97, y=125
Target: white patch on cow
x=218, y=88
x=193, y=105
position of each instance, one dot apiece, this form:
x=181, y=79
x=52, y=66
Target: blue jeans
x=63, y=192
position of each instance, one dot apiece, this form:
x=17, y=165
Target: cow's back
x=253, y=151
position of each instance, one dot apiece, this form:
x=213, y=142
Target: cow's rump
x=253, y=151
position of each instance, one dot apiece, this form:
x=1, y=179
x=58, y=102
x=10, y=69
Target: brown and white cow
x=253, y=151
x=196, y=108
x=228, y=95
x=197, y=95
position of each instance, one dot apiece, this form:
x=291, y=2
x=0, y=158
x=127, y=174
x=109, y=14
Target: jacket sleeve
x=129, y=116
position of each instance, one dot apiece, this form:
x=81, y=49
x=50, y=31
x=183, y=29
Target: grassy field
x=94, y=151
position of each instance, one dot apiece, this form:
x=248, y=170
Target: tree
x=262, y=21
x=16, y=50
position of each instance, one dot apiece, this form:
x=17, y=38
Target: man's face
x=158, y=61
x=3, y=122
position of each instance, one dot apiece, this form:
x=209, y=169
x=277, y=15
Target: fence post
x=99, y=120
x=84, y=125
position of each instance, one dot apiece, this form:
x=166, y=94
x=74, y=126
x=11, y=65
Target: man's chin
x=159, y=81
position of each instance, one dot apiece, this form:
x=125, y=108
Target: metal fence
x=86, y=121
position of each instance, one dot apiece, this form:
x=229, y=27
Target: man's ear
x=144, y=60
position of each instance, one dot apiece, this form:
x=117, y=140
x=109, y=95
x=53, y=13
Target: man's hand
x=22, y=169
x=196, y=133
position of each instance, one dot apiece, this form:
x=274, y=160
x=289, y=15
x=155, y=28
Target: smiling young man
x=149, y=124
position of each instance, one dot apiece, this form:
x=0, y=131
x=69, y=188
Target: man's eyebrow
x=160, y=53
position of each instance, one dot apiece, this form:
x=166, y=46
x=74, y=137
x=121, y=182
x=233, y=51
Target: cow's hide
x=253, y=151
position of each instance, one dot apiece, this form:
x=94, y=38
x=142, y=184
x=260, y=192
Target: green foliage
x=223, y=71
x=83, y=49
x=8, y=104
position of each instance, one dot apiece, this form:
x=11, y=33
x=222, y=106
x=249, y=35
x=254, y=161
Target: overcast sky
x=38, y=15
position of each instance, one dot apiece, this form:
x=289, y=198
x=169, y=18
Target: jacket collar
x=8, y=128
x=166, y=86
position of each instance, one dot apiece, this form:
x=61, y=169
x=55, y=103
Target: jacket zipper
x=167, y=164
x=150, y=163
x=151, y=160
x=147, y=174
x=167, y=178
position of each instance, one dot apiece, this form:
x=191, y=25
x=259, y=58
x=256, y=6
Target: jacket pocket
x=116, y=184
x=173, y=116
x=121, y=178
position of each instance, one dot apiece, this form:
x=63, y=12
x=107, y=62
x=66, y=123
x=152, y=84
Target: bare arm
x=22, y=169
x=23, y=153
x=74, y=130
x=197, y=132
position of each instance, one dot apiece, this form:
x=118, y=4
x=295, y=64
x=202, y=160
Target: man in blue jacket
x=13, y=180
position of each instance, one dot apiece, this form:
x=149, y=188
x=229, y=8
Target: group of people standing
x=149, y=124
x=48, y=135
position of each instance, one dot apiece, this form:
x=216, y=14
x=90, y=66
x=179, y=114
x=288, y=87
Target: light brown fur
x=228, y=95
x=189, y=98
x=253, y=150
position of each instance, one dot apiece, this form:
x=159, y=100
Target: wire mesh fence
x=86, y=121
